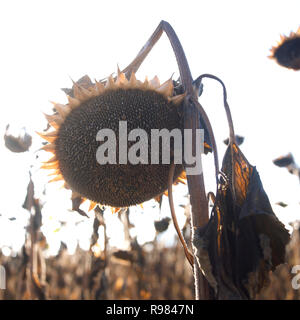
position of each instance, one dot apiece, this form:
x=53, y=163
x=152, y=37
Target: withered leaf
x=239, y=140
x=124, y=255
x=243, y=240
x=84, y=81
x=281, y=204
x=284, y=161
x=29, y=200
x=76, y=202
x=289, y=163
x=162, y=225
x=207, y=142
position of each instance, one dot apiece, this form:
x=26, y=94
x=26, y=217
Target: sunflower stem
x=199, y=202
x=187, y=252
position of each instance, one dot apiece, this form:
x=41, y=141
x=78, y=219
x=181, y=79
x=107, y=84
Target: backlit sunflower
x=94, y=106
x=287, y=51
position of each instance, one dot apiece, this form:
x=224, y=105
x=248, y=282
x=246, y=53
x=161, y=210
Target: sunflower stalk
x=198, y=199
x=187, y=252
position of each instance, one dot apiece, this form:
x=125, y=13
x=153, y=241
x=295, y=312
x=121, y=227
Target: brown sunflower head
x=17, y=143
x=102, y=105
x=287, y=51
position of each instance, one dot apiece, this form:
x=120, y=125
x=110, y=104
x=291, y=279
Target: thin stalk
x=229, y=120
x=187, y=252
x=226, y=106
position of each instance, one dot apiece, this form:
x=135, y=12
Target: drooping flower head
x=287, y=51
x=94, y=106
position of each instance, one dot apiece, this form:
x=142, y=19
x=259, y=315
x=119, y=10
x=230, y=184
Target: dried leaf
x=243, y=238
x=281, y=204
x=84, y=82
x=288, y=162
x=76, y=202
x=238, y=139
x=124, y=255
x=162, y=225
x=284, y=161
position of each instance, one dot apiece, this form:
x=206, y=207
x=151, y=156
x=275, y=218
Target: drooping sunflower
x=93, y=106
x=287, y=51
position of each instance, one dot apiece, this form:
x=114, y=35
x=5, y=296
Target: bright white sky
x=45, y=43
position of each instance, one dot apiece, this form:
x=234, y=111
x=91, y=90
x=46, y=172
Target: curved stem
x=211, y=137
x=229, y=120
x=184, y=70
x=226, y=106
x=196, y=186
x=187, y=252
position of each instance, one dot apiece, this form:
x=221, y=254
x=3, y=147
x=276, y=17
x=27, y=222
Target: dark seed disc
x=117, y=185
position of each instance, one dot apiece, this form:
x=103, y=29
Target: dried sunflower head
x=93, y=106
x=287, y=51
x=17, y=143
